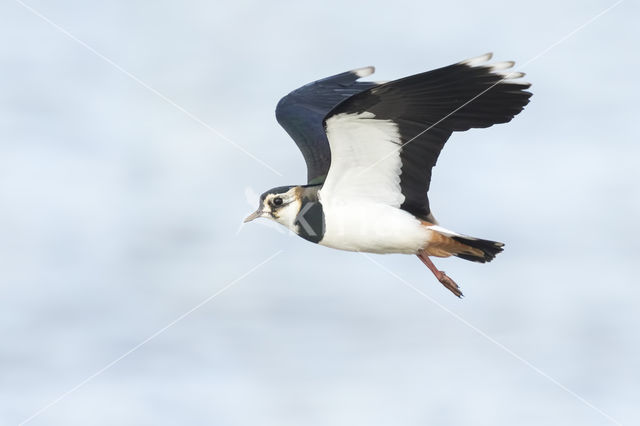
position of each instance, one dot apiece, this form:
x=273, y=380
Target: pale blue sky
x=119, y=213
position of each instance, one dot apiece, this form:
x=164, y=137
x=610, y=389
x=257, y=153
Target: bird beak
x=253, y=215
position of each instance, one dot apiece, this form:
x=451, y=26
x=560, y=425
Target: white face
x=282, y=208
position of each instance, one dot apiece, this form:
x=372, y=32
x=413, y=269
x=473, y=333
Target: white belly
x=373, y=228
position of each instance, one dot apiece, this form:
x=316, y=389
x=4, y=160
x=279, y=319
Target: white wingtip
x=511, y=75
x=363, y=72
x=502, y=65
x=498, y=68
x=477, y=60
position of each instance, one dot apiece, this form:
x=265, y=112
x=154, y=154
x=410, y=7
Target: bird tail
x=445, y=243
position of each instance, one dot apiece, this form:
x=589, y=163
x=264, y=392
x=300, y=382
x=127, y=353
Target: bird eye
x=277, y=201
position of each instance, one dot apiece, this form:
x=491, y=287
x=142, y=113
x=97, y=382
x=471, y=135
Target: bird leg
x=440, y=275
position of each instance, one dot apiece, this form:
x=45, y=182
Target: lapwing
x=370, y=148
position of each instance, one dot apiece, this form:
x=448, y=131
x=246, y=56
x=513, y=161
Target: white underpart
x=362, y=203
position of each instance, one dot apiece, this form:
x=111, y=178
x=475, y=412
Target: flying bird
x=370, y=148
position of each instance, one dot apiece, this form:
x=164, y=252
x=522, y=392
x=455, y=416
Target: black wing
x=302, y=112
x=428, y=107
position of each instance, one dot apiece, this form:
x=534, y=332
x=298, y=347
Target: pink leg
x=440, y=275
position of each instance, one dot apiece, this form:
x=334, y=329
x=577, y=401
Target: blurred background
x=119, y=213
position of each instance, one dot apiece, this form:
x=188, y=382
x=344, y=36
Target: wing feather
x=425, y=108
x=301, y=114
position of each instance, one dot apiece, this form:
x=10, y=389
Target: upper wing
x=302, y=112
x=385, y=140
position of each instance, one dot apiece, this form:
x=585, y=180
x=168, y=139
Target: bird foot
x=449, y=283
x=440, y=275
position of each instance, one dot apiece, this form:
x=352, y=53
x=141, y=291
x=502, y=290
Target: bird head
x=281, y=204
